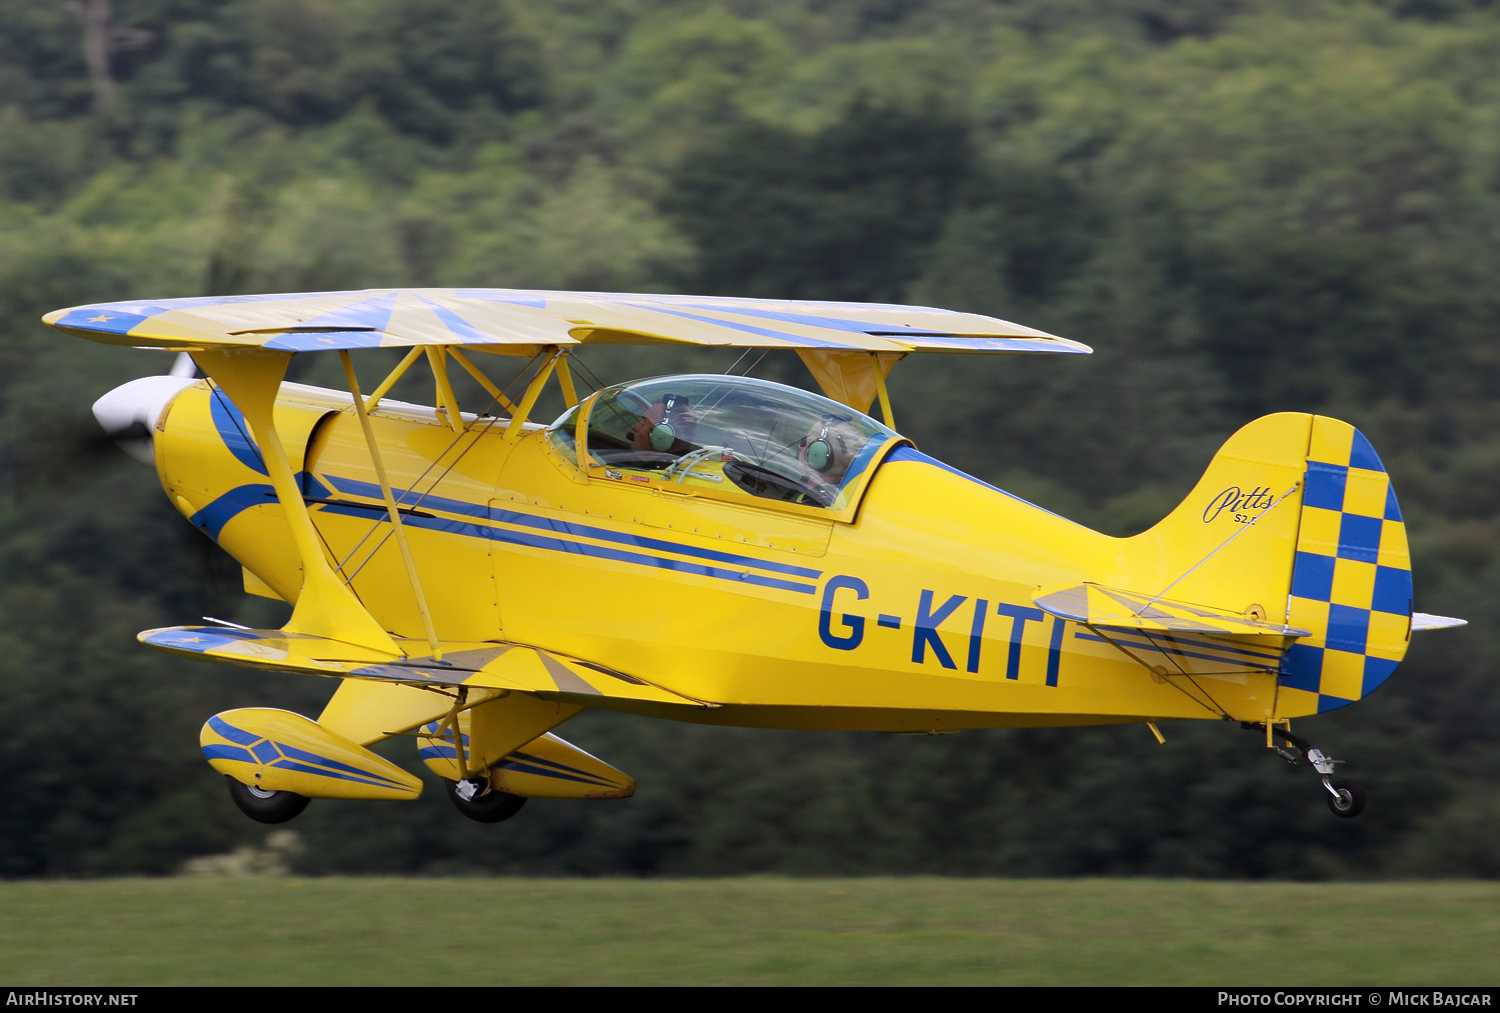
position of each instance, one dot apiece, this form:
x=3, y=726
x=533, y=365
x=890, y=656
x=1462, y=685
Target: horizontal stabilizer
x=480, y=665
x=538, y=671
x=276, y=750
x=1111, y=608
x=1422, y=621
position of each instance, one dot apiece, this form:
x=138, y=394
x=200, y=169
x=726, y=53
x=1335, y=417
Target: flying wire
x=1215, y=709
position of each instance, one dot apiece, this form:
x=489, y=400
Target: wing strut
x=565, y=381
x=390, y=381
x=528, y=400
x=484, y=381
x=438, y=360
x=325, y=606
x=390, y=505
x=885, y=399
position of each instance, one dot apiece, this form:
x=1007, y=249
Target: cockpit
x=730, y=432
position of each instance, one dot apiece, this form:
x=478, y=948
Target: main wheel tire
x=1350, y=802
x=491, y=807
x=266, y=806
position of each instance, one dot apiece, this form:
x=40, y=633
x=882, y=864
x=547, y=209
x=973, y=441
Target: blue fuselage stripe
x=404, y=496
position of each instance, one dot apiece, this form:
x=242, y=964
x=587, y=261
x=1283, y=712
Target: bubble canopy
x=763, y=439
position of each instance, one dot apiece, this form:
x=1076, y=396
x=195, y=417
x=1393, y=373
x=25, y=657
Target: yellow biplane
x=710, y=548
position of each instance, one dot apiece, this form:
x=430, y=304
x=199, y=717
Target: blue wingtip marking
x=195, y=640
x=115, y=321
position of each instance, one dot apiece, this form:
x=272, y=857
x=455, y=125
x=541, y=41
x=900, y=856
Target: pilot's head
x=668, y=426
x=829, y=447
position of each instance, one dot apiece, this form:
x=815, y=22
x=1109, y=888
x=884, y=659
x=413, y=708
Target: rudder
x=1351, y=580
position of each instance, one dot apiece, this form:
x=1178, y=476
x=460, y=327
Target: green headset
x=664, y=434
x=820, y=451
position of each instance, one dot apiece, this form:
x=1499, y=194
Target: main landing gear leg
x=1345, y=798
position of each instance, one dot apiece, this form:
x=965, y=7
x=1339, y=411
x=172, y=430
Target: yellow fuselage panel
x=917, y=614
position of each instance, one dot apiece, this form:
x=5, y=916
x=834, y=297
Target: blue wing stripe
x=795, y=339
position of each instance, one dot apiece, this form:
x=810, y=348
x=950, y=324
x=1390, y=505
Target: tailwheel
x=266, y=806
x=1345, y=798
x=475, y=800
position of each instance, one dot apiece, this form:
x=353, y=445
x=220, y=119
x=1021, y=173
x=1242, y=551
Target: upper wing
x=1111, y=608
x=477, y=665
x=521, y=322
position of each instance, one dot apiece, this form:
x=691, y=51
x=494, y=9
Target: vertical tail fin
x=1294, y=517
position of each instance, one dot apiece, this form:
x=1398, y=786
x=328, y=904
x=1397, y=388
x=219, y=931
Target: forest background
x=1245, y=206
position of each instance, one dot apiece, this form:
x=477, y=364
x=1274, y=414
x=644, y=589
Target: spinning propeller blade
x=128, y=413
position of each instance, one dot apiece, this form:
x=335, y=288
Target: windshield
x=761, y=438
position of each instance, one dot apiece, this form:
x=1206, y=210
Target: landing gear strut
x=1346, y=798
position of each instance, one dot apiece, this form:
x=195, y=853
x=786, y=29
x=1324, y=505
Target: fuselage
x=909, y=608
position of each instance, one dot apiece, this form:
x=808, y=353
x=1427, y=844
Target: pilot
x=828, y=449
x=667, y=427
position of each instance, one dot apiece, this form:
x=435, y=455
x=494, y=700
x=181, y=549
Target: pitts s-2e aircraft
x=710, y=548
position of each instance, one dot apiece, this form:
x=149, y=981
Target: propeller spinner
x=128, y=413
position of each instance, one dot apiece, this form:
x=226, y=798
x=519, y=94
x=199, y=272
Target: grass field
x=744, y=931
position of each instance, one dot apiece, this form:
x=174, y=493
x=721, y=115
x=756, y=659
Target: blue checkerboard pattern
x=1351, y=583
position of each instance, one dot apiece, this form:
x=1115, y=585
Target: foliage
x=1245, y=205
